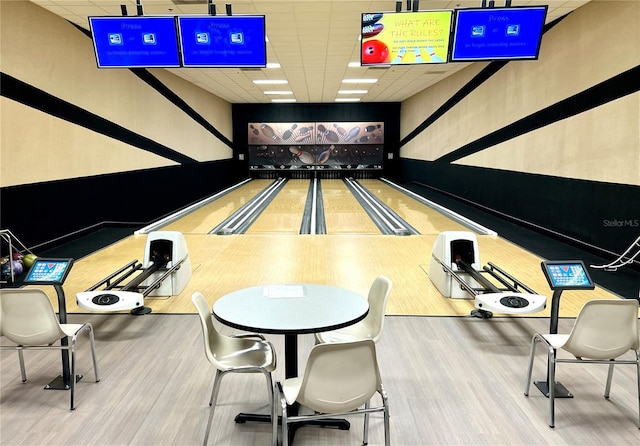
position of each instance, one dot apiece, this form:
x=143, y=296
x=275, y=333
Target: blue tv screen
x=135, y=42
x=223, y=41
x=497, y=33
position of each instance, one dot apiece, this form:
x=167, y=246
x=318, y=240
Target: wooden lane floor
x=224, y=263
x=284, y=214
x=343, y=214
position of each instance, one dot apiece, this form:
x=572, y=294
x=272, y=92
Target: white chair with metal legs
x=371, y=326
x=604, y=330
x=339, y=379
x=247, y=353
x=29, y=321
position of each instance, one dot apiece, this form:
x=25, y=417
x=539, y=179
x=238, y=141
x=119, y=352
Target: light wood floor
x=450, y=380
x=351, y=255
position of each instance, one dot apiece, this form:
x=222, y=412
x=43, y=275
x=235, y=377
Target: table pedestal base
x=335, y=423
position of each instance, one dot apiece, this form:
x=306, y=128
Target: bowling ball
x=17, y=255
x=28, y=260
x=374, y=52
x=18, y=268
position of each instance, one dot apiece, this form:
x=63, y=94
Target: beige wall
x=593, y=44
x=61, y=62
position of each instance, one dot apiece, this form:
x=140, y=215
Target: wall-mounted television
x=135, y=42
x=405, y=38
x=513, y=33
x=223, y=41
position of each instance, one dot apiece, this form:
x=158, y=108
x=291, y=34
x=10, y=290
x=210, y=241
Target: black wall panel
x=601, y=216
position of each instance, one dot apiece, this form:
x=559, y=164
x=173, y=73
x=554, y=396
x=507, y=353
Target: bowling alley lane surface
x=224, y=263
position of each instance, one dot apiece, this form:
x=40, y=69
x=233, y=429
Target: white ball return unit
x=165, y=271
x=455, y=272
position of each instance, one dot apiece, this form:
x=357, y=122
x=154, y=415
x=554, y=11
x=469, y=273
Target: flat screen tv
x=497, y=33
x=223, y=41
x=405, y=38
x=567, y=275
x=135, y=42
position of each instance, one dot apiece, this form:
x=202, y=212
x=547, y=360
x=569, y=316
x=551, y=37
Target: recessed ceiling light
x=283, y=100
x=273, y=65
x=354, y=65
x=359, y=81
x=270, y=81
x=347, y=100
x=353, y=91
x=278, y=92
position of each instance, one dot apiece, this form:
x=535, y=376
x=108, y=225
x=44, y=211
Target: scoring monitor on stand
x=47, y=271
x=562, y=275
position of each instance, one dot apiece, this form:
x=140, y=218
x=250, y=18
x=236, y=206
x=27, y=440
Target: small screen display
x=497, y=33
x=223, y=41
x=567, y=275
x=49, y=271
x=135, y=42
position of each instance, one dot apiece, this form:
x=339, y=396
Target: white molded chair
x=604, y=330
x=339, y=378
x=29, y=321
x=371, y=326
x=246, y=353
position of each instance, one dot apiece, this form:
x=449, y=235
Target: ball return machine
x=455, y=272
x=165, y=271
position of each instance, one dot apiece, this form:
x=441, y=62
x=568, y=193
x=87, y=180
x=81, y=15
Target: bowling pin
x=289, y=132
x=324, y=156
x=305, y=157
x=269, y=133
x=255, y=130
x=352, y=134
x=371, y=128
x=331, y=136
x=302, y=137
x=432, y=54
x=340, y=130
x=365, y=138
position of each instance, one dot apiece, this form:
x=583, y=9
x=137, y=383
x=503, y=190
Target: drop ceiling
x=312, y=42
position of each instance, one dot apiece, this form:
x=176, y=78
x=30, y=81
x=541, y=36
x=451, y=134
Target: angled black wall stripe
x=474, y=83
x=31, y=96
x=618, y=86
x=171, y=97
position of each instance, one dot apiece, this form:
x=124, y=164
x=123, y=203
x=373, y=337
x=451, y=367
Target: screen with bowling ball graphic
x=316, y=145
x=405, y=38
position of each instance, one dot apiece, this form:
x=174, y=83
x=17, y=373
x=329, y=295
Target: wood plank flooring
x=450, y=380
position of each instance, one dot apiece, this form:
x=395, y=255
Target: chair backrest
x=212, y=341
x=604, y=329
x=378, y=296
x=28, y=318
x=340, y=376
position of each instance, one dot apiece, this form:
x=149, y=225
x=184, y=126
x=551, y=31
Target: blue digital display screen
x=497, y=33
x=223, y=41
x=567, y=275
x=135, y=42
x=49, y=271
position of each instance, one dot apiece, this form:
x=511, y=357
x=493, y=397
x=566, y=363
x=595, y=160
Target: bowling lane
x=204, y=219
x=423, y=218
x=343, y=213
x=284, y=214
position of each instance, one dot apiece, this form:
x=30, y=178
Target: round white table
x=290, y=310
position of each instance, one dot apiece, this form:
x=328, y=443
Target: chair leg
x=365, y=437
x=212, y=403
x=552, y=385
x=285, y=422
x=387, y=429
x=93, y=353
x=607, y=388
x=531, y=358
x=23, y=371
x=638, y=377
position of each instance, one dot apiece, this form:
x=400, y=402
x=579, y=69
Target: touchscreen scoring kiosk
x=562, y=275
x=46, y=271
